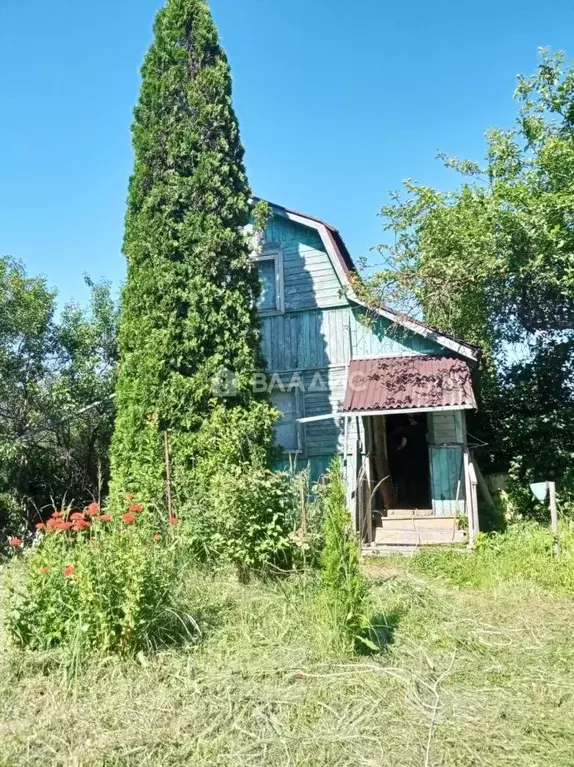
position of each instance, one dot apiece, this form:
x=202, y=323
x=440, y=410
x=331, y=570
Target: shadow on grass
x=380, y=634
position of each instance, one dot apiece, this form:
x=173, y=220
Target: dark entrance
x=407, y=447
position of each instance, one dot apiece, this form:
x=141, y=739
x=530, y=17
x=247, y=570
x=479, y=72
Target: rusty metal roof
x=403, y=383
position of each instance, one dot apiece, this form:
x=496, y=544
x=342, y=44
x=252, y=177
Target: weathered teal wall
x=310, y=281
x=310, y=338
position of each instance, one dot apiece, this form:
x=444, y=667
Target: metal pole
x=554, y=518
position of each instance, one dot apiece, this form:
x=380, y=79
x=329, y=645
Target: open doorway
x=408, y=455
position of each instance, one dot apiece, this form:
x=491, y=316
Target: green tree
x=53, y=442
x=493, y=262
x=27, y=341
x=189, y=304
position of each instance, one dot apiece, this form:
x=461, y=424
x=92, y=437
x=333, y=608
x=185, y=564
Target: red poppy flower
x=52, y=523
x=93, y=509
x=128, y=518
x=105, y=518
x=40, y=526
x=136, y=507
x=69, y=570
x=157, y=537
x=15, y=542
x=174, y=521
x=62, y=525
x=44, y=571
x=77, y=515
x=81, y=524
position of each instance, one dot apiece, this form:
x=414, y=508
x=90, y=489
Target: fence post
x=469, y=500
x=554, y=518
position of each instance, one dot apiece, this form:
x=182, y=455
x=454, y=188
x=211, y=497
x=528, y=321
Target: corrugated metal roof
x=403, y=383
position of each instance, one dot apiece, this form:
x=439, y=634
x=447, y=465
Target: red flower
x=52, y=523
x=40, y=526
x=136, y=507
x=61, y=525
x=81, y=524
x=44, y=571
x=174, y=521
x=157, y=537
x=105, y=518
x=128, y=518
x=299, y=675
x=69, y=570
x=15, y=542
x=57, y=514
x=93, y=509
x=77, y=515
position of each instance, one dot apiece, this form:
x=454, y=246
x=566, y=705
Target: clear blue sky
x=338, y=102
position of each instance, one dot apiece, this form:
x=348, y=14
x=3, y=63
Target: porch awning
x=417, y=382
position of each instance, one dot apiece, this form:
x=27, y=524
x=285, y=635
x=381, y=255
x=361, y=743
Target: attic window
x=269, y=267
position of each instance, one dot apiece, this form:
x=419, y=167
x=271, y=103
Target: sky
x=338, y=102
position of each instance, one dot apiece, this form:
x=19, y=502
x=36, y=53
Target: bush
x=97, y=581
x=344, y=589
x=240, y=516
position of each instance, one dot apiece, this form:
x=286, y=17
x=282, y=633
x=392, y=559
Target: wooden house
x=385, y=392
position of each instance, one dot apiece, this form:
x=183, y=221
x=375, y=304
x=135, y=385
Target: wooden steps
x=381, y=550
x=411, y=529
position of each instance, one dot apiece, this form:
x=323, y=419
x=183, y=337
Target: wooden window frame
x=275, y=255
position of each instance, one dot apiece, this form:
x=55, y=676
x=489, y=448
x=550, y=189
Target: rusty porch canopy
x=408, y=384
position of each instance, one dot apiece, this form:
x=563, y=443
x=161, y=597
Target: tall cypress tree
x=189, y=303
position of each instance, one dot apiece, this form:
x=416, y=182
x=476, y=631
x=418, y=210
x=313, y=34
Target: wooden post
x=303, y=501
x=474, y=496
x=368, y=507
x=554, y=518
x=355, y=503
x=468, y=494
x=168, y=475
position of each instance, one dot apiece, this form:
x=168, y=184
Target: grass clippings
x=466, y=677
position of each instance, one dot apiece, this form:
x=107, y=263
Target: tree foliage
x=51, y=369
x=189, y=304
x=493, y=262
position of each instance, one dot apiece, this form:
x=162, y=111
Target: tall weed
x=343, y=590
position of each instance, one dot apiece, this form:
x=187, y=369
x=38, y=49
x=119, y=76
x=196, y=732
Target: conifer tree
x=189, y=303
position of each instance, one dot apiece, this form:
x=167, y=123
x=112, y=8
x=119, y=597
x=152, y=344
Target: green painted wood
x=446, y=471
x=378, y=337
x=319, y=338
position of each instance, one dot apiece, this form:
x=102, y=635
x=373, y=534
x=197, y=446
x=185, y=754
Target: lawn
x=474, y=669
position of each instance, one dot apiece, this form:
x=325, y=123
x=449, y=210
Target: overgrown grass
x=465, y=677
x=522, y=554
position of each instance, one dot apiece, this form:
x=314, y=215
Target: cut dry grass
x=465, y=677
